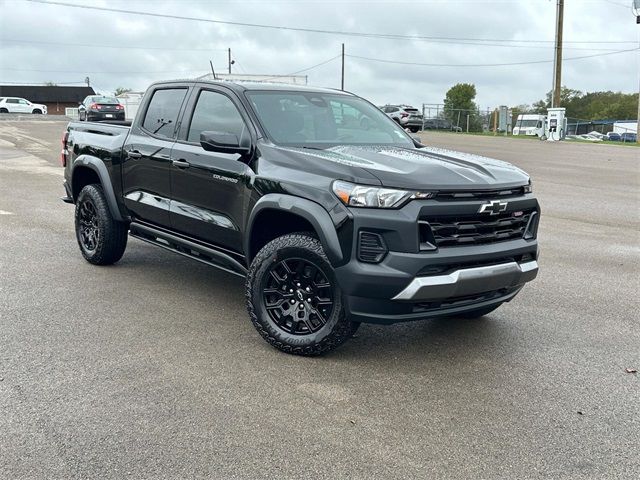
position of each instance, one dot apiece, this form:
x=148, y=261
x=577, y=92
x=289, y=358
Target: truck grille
x=451, y=231
x=480, y=194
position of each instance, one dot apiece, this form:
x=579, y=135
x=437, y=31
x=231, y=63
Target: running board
x=187, y=248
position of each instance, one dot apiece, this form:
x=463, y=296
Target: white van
x=530, y=124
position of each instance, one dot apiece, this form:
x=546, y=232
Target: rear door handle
x=180, y=163
x=134, y=154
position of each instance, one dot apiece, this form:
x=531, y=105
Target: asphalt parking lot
x=151, y=369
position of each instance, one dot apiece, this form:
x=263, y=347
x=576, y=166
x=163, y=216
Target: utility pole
x=557, y=64
x=638, y=127
x=342, y=82
x=229, y=61
x=88, y=81
x=636, y=11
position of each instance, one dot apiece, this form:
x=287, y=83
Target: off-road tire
x=337, y=329
x=110, y=236
x=480, y=312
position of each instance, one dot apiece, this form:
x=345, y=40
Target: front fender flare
x=100, y=169
x=310, y=211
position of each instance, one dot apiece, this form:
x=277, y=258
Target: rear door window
x=162, y=113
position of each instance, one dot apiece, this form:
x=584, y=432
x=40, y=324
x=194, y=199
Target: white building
x=131, y=102
x=623, y=126
x=236, y=77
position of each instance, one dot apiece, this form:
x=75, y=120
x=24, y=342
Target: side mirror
x=224, y=142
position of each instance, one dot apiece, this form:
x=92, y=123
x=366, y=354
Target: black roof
x=263, y=86
x=46, y=94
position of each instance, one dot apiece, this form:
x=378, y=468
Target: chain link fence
x=437, y=117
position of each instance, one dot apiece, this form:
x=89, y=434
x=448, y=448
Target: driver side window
x=215, y=112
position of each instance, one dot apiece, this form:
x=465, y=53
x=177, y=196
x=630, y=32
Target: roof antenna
x=212, y=70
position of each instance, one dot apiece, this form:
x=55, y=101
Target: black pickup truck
x=332, y=212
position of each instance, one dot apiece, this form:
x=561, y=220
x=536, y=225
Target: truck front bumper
x=469, y=281
x=398, y=290
x=412, y=282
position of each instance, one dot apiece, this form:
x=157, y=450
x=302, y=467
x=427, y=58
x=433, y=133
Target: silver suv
x=406, y=115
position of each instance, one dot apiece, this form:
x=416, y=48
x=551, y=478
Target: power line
x=397, y=62
x=42, y=83
x=125, y=47
x=275, y=77
x=616, y=3
x=101, y=72
x=388, y=36
x=315, y=66
x=358, y=57
x=132, y=47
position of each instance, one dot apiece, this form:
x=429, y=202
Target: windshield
x=527, y=123
x=323, y=119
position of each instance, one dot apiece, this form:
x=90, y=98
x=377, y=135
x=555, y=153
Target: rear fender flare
x=315, y=214
x=98, y=166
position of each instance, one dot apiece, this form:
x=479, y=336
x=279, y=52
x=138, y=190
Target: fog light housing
x=371, y=247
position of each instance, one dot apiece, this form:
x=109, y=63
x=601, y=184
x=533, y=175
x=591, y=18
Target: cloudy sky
x=64, y=44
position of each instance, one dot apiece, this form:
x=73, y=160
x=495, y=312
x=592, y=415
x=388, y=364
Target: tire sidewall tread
x=113, y=234
x=338, y=328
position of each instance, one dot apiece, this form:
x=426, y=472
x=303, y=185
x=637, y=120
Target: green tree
x=459, y=102
x=518, y=110
x=121, y=90
x=540, y=107
x=593, y=105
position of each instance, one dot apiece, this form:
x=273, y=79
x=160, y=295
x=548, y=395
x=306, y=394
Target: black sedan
x=97, y=107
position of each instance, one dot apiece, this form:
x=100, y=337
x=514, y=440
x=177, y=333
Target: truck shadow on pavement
x=454, y=338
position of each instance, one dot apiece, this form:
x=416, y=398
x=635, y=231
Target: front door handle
x=134, y=154
x=180, y=163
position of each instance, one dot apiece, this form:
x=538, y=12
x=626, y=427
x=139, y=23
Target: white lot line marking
x=4, y=212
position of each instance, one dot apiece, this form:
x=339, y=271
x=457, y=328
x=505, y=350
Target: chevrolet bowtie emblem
x=494, y=207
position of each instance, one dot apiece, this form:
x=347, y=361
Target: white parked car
x=20, y=105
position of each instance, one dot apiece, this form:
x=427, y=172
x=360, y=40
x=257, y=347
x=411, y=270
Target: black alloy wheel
x=101, y=238
x=294, y=299
x=89, y=232
x=298, y=296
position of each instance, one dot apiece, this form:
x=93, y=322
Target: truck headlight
x=528, y=188
x=373, y=197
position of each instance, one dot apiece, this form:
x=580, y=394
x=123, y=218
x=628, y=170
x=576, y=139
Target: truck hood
x=424, y=168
